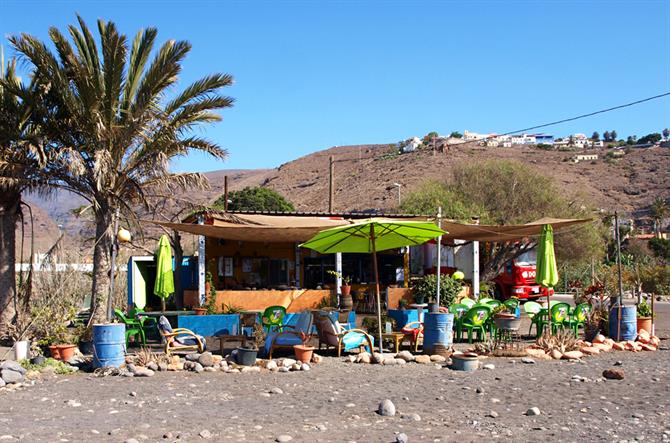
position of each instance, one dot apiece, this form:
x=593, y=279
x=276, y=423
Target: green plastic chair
x=475, y=321
x=149, y=324
x=512, y=303
x=483, y=301
x=273, y=318
x=133, y=328
x=578, y=317
x=532, y=308
x=459, y=310
x=468, y=302
x=560, y=315
x=492, y=303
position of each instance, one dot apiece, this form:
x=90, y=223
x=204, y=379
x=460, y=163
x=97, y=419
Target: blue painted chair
x=290, y=335
x=333, y=334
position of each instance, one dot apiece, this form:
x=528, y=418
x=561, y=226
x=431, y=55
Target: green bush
x=427, y=288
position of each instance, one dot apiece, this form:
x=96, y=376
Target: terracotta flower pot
x=66, y=351
x=200, y=311
x=644, y=323
x=55, y=352
x=303, y=353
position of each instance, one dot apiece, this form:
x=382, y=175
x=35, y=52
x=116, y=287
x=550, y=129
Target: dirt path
x=336, y=402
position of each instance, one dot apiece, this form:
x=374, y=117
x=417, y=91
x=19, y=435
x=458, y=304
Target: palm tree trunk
x=101, y=264
x=9, y=213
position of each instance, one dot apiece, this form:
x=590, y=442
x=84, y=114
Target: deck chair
x=332, y=334
x=179, y=339
x=291, y=335
x=133, y=328
x=273, y=318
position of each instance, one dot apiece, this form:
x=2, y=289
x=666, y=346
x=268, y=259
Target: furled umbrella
x=370, y=236
x=546, y=270
x=164, y=285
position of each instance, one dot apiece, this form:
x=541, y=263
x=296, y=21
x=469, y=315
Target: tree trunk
x=101, y=264
x=9, y=213
x=178, y=257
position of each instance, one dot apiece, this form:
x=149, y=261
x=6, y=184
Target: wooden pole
x=225, y=193
x=379, y=304
x=115, y=246
x=617, y=236
x=331, y=184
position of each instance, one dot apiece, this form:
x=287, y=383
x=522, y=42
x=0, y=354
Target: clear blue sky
x=310, y=75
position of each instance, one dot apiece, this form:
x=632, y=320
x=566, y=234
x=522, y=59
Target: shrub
x=449, y=288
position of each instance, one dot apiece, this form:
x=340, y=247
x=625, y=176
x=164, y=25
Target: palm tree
x=116, y=129
x=21, y=159
x=659, y=211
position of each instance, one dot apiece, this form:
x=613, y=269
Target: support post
x=298, y=266
x=338, y=279
x=475, y=265
x=115, y=247
x=439, y=257
x=377, y=292
x=331, y=184
x=201, y=265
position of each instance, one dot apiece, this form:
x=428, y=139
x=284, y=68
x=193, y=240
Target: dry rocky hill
x=364, y=177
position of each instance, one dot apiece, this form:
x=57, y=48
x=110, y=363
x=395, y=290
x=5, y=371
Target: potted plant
x=246, y=355
x=427, y=288
x=65, y=344
x=592, y=324
x=644, y=316
x=303, y=353
x=346, y=302
x=504, y=319
x=85, y=335
x=402, y=304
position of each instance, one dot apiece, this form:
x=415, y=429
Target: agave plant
x=117, y=124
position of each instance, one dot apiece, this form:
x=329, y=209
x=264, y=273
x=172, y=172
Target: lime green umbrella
x=546, y=270
x=164, y=285
x=370, y=236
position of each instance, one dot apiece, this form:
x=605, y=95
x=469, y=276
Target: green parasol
x=164, y=285
x=370, y=236
x=546, y=270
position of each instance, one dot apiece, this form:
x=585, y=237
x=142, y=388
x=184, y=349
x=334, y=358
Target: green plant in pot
x=246, y=355
x=370, y=324
x=644, y=316
x=427, y=288
x=346, y=302
x=402, y=303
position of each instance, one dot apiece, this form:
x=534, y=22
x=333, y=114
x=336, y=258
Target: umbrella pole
x=379, y=304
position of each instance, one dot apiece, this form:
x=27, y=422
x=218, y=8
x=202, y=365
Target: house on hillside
x=584, y=157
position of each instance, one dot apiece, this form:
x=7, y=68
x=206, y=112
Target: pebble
x=192, y=357
x=206, y=359
x=401, y=438
x=527, y=360
x=492, y=414
x=205, y=434
x=153, y=366
x=284, y=438
x=479, y=390
x=533, y=411
x=386, y=408
x=305, y=367
x=198, y=368
x=413, y=417
x=488, y=366
x=131, y=440
x=73, y=403
x=276, y=390
x=271, y=365
x=133, y=394
x=613, y=374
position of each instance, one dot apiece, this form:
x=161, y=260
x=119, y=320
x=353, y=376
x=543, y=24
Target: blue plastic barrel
x=437, y=331
x=628, y=328
x=109, y=345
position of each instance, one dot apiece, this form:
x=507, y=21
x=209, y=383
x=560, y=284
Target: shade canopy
x=164, y=285
x=388, y=234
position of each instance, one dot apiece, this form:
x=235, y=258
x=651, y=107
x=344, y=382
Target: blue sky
x=311, y=75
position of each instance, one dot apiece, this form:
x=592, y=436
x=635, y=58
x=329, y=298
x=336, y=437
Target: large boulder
x=206, y=359
x=386, y=408
x=11, y=376
x=13, y=365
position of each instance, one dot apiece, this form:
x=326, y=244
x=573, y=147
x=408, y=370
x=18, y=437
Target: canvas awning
x=298, y=229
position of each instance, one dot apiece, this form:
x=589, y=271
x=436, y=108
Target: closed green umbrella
x=370, y=236
x=546, y=270
x=164, y=285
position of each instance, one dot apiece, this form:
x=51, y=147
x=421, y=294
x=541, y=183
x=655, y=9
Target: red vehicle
x=518, y=279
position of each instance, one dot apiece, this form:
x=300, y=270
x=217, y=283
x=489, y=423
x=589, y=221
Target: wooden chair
x=179, y=339
x=332, y=334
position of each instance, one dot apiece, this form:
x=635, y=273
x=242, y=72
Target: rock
x=153, y=366
x=162, y=366
x=386, y=408
x=602, y=347
x=283, y=369
x=11, y=376
x=316, y=359
x=197, y=367
x=141, y=371
x=619, y=346
x=205, y=434
x=613, y=374
x=206, y=359
x=422, y=359
x=492, y=414
x=479, y=390
x=527, y=360
x=210, y=369
x=599, y=339
x=437, y=358
x=2, y=382
x=401, y=438
x=618, y=363
x=251, y=369
x=390, y=361
x=192, y=357
x=14, y=366
x=572, y=355
x=537, y=353
x=488, y=366
x=556, y=354
x=217, y=359
x=305, y=367
x=283, y=438
x=271, y=365
x=175, y=367
x=400, y=361
x=73, y=403
x=276, y=390
x=533, y=411
x=175, y=359
x=350, y=359
x=590, y=350
x=295, y=367
x=378, y=358
x=413, y=417
x=131, y=440
x=288, y=362
x=132, y=394
x=405, y=355
x=38, y=360
x=363, y=357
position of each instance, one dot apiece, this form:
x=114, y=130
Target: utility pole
x=225, y=193
x=331, y=190
x=618, y=254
